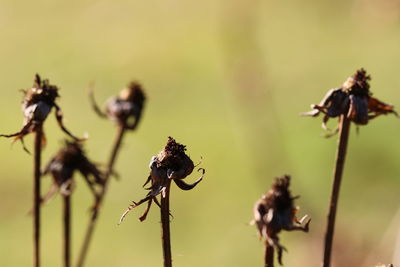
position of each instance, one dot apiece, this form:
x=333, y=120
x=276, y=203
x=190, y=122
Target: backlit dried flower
x=354, y=100
x=126, y=108
x=171, y=164
x=275, y=211
x=36, y=106
x=62, y=166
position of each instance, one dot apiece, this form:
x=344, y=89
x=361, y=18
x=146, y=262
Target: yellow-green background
x=228, y=79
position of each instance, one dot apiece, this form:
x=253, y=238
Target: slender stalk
x=93, y=219
x=269, y=255
x=36, y=194
x=344, y=129
x=166, y=238
x=67, y=230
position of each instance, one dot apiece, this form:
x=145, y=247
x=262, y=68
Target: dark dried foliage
x=275, y=211
x=36, y=106
x=126, y=108
x=62, y=166
x=354, y=100
x=171, y=164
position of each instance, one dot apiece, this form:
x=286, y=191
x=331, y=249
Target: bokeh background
x=228, y=79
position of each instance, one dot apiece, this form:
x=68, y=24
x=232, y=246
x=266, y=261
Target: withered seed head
x=127, y=108
x=275, y=211
x=69, y=159
x=354, y=100
x=171, y=164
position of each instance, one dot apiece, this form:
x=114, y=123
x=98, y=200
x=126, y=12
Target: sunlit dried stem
x=344, y=129
x=95, y=215
x=165, y=235
x=36, y=194
x=269, y=255
x=67, y=230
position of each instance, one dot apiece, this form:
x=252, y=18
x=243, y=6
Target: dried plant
x=62, y=167
x=274, y=212
x=36, y=106
x=353, y=102
x=171, y=164
x=126, y=110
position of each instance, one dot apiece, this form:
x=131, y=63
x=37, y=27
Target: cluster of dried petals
x=171, y=164
x=354, y=100
x=36, y=106
x=275, y=211
x=126, y=108
x=62, y=166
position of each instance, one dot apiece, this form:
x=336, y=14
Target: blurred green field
x=228, y=79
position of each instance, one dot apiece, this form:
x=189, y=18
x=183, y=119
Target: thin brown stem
x=67, y=230
x=93, y=219
x=36, y=194
x=344, y=129
x=269, y=255
x=166, y=237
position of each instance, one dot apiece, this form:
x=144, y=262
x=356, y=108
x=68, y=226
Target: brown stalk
x=93, y=219
x=269, y=255
x=36, y=194
x=166, y=237
x=67, y=230
x=344, y=129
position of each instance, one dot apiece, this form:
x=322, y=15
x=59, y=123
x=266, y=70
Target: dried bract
x=171, y=164
x=126, y=108
x=62, y=166
x=36, y=106
x=275, y=211
x=354, y=100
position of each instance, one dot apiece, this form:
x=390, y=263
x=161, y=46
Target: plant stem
x=93, y=219
x=166, y=238
x=67, y=230
x=269, y=255
x=344, y=129
x=36, y=194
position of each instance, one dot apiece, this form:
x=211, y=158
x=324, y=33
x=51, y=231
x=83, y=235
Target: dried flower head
x=62, y=166
x=384, y=265
x=126, y=108
x=354, y=100
x=171, y=164
x=36, y=106
x=275, y=211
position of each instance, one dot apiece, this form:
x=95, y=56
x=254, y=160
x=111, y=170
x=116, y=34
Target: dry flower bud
x=126, y=108
x=36, y=106
x=171, y=164
x=354, y=100
x=62, y=166
x=275, y=211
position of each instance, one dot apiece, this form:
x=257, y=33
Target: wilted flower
x=62, y=166
x=275, y=211
x=171, y=164
x=36, y=106
x=126, y=108
x=354, y=100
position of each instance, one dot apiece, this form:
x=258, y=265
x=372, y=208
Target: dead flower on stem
x=62, y=166
x=171, y=164
x=36, y=106
x=275, y=211
x=354, y=100
x=126, y=108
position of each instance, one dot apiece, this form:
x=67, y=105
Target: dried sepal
x=171, y=164
x=352, y=99
x=36, y=106
x=63, y=165
x=275, y=211
x=126, y=108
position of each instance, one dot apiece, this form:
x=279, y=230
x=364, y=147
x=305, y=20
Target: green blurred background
x=228, y=79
